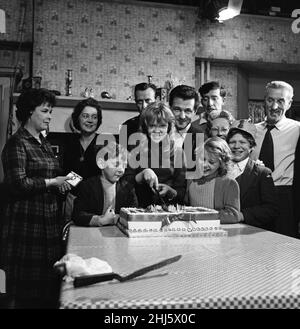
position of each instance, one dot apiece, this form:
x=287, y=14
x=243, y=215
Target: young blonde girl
x=214, y=189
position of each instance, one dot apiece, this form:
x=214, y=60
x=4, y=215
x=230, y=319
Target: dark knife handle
x=86, y=280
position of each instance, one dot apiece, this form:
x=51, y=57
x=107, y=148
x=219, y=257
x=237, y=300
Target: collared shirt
x=180, y=135
x=237, y=168
x=201, y=119
x=285, y=136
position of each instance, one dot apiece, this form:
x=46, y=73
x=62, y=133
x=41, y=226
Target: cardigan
x=226, y=199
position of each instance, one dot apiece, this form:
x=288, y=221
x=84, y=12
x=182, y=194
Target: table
x=249, y=268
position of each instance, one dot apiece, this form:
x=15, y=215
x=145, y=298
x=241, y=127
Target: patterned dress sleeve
x=14, y=159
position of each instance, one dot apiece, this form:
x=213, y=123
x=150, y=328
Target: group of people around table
x=164, y=155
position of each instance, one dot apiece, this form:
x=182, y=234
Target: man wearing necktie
x=184, y=102
x=276, y=140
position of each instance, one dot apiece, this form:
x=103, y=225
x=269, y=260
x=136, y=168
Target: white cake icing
x=175, y=221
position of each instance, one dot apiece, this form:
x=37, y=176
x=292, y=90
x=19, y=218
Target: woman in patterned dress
x=30, y=240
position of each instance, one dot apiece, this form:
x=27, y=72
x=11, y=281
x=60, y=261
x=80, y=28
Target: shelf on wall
x=71, y=101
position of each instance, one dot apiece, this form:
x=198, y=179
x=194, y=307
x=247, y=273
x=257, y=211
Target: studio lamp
x=220, y=10
x=233, y=9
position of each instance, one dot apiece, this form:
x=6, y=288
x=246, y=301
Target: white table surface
x=249, y=268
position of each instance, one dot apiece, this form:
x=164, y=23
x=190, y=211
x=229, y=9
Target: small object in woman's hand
x=73, y=178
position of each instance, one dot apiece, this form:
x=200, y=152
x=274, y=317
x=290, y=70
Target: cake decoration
x=178, y=220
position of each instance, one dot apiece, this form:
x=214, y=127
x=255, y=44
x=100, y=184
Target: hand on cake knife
x=160, y=198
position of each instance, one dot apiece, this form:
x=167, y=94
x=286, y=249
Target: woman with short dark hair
x=31, y=225
x=80, y=149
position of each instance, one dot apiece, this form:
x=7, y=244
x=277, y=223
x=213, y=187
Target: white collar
x=242, y=164
x=183, y=131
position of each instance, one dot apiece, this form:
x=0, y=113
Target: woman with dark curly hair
x=31, y=225
x=80, y=150
x=214, y=189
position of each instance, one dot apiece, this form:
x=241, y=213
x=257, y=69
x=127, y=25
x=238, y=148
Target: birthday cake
x=169, y=220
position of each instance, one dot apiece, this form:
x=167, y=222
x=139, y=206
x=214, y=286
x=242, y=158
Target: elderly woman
x=160, y=168
x=31, y=225
x=257, y=191
x=220, y=125
x=80, y=150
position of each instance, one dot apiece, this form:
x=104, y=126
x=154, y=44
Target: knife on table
x=86, y=280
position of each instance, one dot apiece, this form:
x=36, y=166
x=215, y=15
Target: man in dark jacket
x=184, y=102
x=213, y=97
x=144, y=94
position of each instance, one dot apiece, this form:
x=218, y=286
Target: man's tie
x=267, y=149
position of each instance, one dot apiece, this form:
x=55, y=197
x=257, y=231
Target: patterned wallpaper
x=111, y=46
x=227, y=75
x=245, y=38
x=250, y=38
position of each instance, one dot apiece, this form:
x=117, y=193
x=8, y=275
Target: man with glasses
x=276, y=140
x=144, y=94
x=221, y=124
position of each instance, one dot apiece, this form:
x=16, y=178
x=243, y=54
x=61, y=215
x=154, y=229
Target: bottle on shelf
x=69, y=79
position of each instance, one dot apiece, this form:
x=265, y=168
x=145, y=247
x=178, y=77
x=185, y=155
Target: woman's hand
x=65, y=187
x=59, y=182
